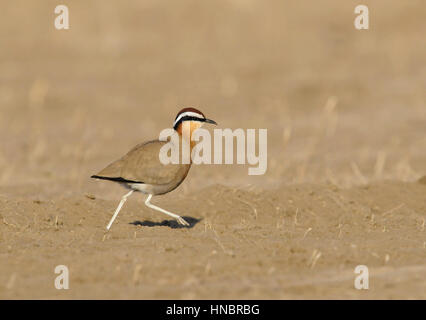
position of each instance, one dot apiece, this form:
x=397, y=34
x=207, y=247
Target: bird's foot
x=182, y=221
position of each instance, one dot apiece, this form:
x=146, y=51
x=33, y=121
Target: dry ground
x=346, y=117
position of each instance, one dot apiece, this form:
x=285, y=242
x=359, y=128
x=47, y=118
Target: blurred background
x=345, y=111
x=341, y=105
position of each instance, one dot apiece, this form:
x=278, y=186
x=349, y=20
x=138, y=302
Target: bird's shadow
x=168, y=223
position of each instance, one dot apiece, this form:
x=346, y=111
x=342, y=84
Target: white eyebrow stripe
x=188, y=114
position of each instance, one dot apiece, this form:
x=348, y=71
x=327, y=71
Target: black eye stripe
x=188, y=118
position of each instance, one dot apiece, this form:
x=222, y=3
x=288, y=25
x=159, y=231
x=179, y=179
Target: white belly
x=148, y=188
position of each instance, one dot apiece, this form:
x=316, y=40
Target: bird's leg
x=123, y=199
x=177, y=217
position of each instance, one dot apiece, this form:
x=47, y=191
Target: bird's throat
x=185, y=131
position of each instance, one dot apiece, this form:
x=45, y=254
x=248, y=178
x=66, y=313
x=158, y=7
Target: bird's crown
x=188, y=114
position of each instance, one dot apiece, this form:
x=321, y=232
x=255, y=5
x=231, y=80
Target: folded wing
x=142, y=165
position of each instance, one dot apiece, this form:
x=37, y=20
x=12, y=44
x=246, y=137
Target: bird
x=141, y=170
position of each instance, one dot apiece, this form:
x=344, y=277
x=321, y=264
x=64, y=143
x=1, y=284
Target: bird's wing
x=142, y=164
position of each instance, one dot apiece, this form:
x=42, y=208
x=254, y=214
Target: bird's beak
x=210, y=121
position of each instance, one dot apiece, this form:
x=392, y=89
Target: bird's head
x=195, y=118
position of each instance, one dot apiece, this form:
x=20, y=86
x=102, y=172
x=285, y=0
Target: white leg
x=178, y=218
x=118, y=209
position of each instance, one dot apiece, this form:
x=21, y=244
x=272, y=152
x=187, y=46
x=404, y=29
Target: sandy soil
x=346, y=117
